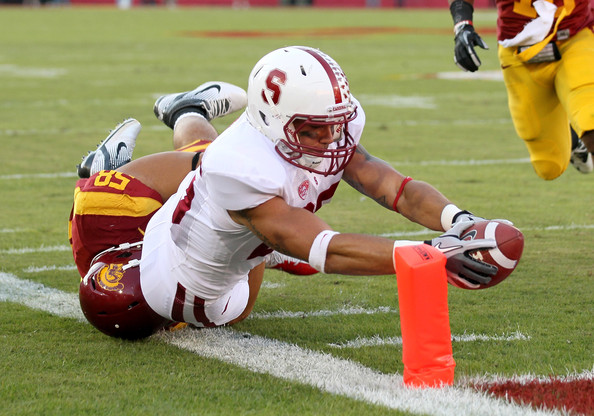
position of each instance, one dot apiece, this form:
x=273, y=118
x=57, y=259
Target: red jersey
x=514, y=15
x=109, y=208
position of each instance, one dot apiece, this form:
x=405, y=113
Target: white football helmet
x=302, y=83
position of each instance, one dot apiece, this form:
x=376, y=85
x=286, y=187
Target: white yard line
x=377, y=340
x=343, y=311
x=288, y=361
x=470, y=162
x=42, y=269
x=41, y=249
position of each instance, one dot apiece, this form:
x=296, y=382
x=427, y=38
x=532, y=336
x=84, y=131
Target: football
x=506, y=255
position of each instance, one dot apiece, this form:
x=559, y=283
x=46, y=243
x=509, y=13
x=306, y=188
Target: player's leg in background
x=162, y=172
x=114, y=151
x=575, y=87
x=538, y=116
x=189, y=113
x=581, y=157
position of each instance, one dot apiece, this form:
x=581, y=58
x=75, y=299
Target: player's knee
x=547, y=170
x=240, y=318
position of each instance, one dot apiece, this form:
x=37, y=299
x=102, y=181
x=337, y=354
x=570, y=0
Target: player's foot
x=279, y=261
x=113, y=152
x=211, y=99
x=175, y=326
x=581, y=159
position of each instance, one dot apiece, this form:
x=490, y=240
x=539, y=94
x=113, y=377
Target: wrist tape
x=447, y=216
x=319, y=248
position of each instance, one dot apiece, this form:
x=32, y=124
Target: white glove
x=460, y=265
x=469, y=216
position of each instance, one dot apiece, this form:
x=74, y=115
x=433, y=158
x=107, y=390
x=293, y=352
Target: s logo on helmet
x=303, y=189
x=274, y=80
x=109, y=277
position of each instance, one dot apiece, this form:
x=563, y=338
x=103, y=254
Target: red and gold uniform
x=512, y=16
x=545, y=97
x=111, y=208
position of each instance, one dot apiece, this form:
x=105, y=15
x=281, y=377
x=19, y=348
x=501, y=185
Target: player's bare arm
x=293, y=231
x=418, y=201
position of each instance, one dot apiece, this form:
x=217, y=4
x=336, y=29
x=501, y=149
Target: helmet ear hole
x=263, y=117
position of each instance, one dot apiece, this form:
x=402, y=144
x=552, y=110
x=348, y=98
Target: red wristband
x=402, y=185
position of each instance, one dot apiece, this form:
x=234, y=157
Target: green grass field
x=68, y=75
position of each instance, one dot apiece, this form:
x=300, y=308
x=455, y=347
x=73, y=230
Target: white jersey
x=193, y=241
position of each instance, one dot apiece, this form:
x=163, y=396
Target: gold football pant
x=545, y=97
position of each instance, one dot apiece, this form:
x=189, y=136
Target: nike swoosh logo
x=218, y=88
x=505, y=66
x=121, y=146
x=446, y=249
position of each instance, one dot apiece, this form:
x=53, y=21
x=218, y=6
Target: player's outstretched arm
x=301, y=234
x=416, y=200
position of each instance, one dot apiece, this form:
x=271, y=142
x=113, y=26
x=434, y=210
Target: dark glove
x=469, y=271
x=460, y=265
x=464, y=54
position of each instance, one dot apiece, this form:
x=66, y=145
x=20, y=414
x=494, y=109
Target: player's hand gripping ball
x=507, y=253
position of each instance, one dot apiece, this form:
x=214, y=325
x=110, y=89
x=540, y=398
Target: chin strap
x=121, y=247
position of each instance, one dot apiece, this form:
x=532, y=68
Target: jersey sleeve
x=239, y=180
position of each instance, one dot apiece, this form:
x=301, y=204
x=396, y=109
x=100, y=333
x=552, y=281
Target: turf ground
x=320, y=345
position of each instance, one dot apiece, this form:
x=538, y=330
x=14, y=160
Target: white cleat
x=113, y=152
x=581, y=159
x=212, y=99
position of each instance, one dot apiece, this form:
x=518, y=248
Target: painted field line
x=469, y=162
x=100, y=134
x=290, y=362
x=37, y=296
x=41, y=249
x=529, y=378
x=337, y=376
x=343, y=311
x=426, y=231
x=447, y=123
x=31, y=72
x=39, y=176
x=12, y=230
x=377, y=340
x=41, y=269
x=271, y=285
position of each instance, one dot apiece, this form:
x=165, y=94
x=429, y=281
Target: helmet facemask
x=311, y=158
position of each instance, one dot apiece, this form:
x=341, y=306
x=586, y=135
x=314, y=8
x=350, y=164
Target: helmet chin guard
x=302, y=83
